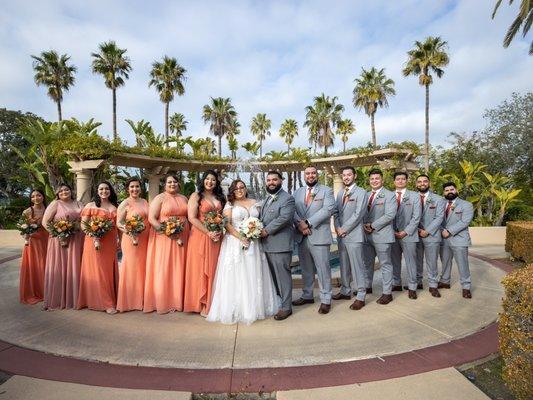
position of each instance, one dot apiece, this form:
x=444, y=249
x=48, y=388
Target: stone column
x=337, y=183
x=84, y=171
x=154, y=178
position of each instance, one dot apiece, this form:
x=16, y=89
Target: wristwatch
x=308, y=224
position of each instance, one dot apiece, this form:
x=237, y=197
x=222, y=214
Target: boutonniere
x=381, y=195
x=429, y=201
x=405, y=199
x=313, y=194
x=274, y=198
x=453, y=207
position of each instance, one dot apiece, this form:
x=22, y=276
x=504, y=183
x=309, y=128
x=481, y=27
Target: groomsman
x=456, y=238
x=432, y=206
x=381, y=207
x=277, y=213
x=350, y=210
x=314, y=207
x=406, y=234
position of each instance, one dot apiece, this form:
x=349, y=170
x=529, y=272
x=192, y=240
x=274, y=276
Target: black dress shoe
x=324, y=308
x=340, y=296
x=397, y=288
x=368, y=290
x=357, y=305
x=384, y=299
x=434, y=292
x=467, y=294
x=281, y=315
x=412, y=294
x=442, y=285
x=301, y=302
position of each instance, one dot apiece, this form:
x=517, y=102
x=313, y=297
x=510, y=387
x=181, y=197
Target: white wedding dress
x=244, y=290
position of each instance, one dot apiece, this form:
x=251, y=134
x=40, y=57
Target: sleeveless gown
x=132, y=268
x=244, y=289
x=165, y=264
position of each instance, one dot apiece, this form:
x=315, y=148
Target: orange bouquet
x=215, y=222
x=63, y=229
x=172, y=227
x=96, y=227
x=133, y=227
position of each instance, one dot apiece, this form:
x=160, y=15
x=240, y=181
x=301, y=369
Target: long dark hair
x=232, y=188
x=58, y=188
x=113, y=199
x=217, y=190
x=41, y=192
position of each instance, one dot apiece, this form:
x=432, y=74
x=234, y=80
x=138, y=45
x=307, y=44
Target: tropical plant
x=321, y=118
x=288, y=131
x=177, y=124
x=345, y=128
x=370, y=92
x=54, y=72
x=167, y=77
x=505, y=197
x=145, y=135
x=260, y=128
x=427, y=57
x=220, y=115
x=525, y=16
x=202, y=147
x=233, y=145
x=114, y=66
x=252, y=148
x=82, y=128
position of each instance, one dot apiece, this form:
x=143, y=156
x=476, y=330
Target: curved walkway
x=184, y=352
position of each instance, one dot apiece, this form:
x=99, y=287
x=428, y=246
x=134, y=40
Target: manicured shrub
x=519, y=240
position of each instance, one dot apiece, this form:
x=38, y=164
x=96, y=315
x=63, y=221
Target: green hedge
x=519, y=240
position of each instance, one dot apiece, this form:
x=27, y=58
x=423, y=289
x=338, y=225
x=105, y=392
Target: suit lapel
x=314, y=192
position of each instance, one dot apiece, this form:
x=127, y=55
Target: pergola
x=390, y=158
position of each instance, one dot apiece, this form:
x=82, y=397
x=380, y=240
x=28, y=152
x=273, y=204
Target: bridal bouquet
x=63, y=229
x=27, y=226
x=172, y=227
x=250, y=229
x=96, y=227
x=133, y=226
x=215, y=222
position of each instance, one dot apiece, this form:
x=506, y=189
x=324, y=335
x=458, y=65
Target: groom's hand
x=264, y=233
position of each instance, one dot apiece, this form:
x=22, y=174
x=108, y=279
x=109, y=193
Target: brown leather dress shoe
x=418, y=287
x=368, y=290
x=434, y=292
x=281, y=315
x=467, y=294
x=357, y=305
x=442, y=285
x=340, y=296
x=324, y=308
x=301, y=302
x=397, y=288
x=412, y=294
x=384, y=299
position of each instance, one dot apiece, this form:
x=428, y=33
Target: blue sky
x=268, y=56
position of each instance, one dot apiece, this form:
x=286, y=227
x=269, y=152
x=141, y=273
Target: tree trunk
x=300, y=178
x=372, y=123
x=289, y=182
x=166, y=123
x=59, y=111
x=115, y=134
x=344, y=147
x=220, y=145
x=260, y=148
x=426, y=147
x=501, y=214
x=294, y=180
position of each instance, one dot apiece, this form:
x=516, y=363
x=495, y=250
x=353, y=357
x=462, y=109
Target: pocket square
x=458, y=212
x=351, y=199
x=321, y=199
x=432, y=207
x=380, y=204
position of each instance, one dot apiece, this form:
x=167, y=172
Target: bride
x=244, y=290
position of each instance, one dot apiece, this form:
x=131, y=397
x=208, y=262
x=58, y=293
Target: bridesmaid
x=204, y=246
x=99, y=268
x=165, y=264
x=62, y=271
x=133, y=265
x=34, y=255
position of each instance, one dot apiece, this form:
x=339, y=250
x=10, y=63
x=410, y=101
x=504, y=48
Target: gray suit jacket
x=318, y=213
x=432, y=217
x=381, y=215
x=408, y=216
x=350, y=215
x=457, y=223
x=277, y=218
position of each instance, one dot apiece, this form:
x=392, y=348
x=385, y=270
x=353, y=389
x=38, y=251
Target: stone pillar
x=84, y=171
x=337, y=183
x=154, y=179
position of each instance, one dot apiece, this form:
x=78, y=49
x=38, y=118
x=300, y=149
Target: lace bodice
x=240, y=213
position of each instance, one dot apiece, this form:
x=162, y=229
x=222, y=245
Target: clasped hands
x=368, y=227
x=304, y=228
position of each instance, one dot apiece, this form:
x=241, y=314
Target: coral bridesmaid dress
x=99, y=268
x=133, y=265
x=62, y=273
x=201, y=265
x=165, y=263
x=33, y=265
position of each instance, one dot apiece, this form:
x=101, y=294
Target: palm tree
x=167, y=77
x=233, y=145
x=344, y=129
x=54, y=72
x=177, y=125
x=321, y=118
x=426, y=57
x=251, y=147
x=145, y=135
x=525, y=14
x=370, y=92
x=288, y=131
x=114, y=66
x=220, y=115
x=260, y=128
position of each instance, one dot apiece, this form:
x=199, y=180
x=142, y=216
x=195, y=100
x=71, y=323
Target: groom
x=277, y=212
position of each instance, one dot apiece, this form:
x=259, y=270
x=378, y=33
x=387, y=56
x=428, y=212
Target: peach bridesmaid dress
x=99, y=268
x=62, y=272
x=165, y=263
x=132, y=268
x=33, y=265
x=201, y=265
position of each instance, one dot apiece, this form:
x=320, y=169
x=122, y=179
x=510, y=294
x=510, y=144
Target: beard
x=451, y=196
x=311, y=184
x=423, y=190
x=272, y=191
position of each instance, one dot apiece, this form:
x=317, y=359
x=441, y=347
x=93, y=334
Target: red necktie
x=449, y=207
x=308, y=196
x=422, y=199
x=398, y=198
x=371, y=200
x=346, y=196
